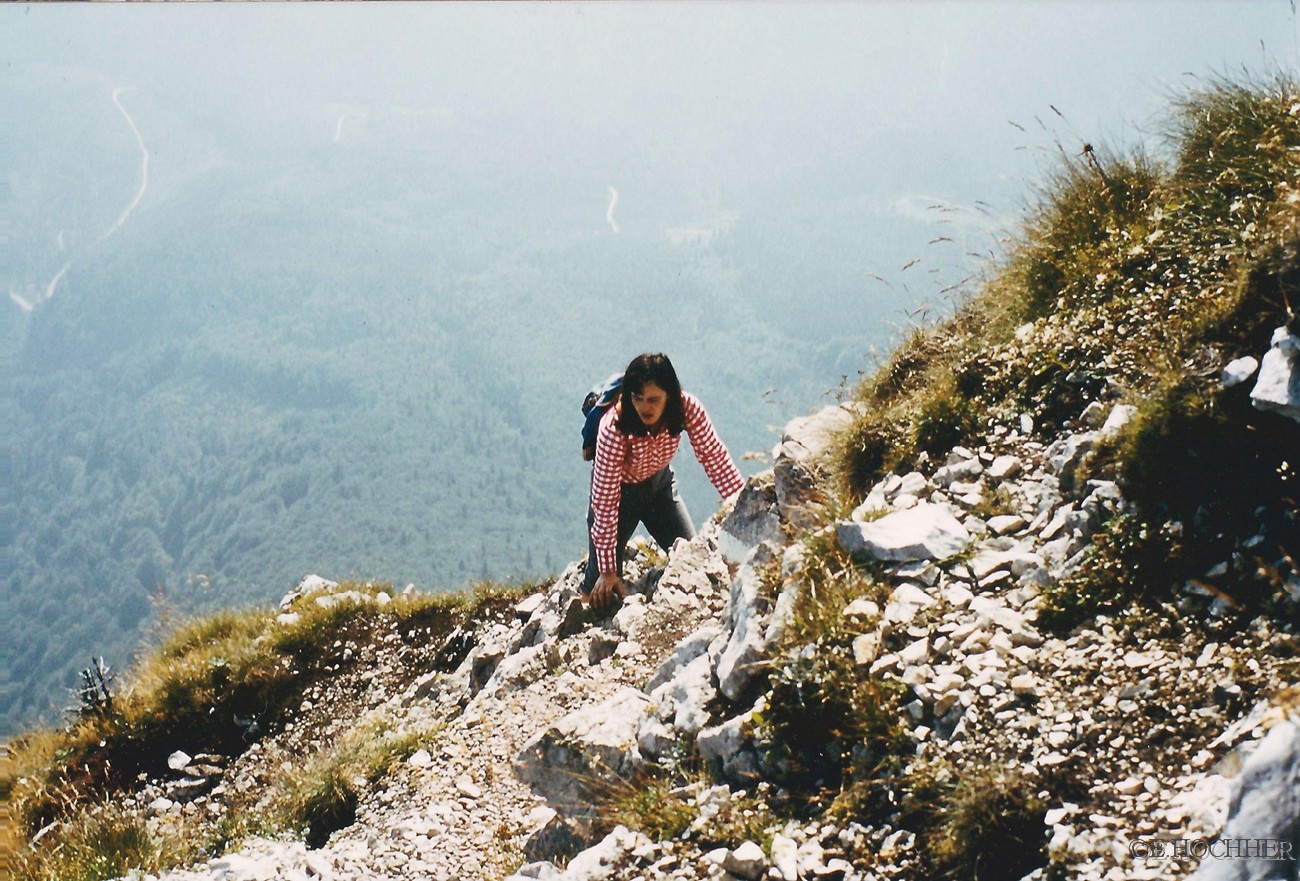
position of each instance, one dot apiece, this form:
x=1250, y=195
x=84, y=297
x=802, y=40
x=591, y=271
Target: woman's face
x=650, y=403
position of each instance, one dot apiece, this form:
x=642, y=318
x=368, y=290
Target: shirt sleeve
x=709, y=449
x=606, y=491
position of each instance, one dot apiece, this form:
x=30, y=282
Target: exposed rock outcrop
x=1261, y=838
x=551, y=711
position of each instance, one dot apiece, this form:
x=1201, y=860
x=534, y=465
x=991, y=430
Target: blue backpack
x=601, y=397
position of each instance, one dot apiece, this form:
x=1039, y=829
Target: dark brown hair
x=651, y=367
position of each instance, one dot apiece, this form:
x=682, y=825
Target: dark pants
x=654, y=502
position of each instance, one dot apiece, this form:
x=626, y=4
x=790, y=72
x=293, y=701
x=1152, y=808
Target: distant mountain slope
x=348, y=362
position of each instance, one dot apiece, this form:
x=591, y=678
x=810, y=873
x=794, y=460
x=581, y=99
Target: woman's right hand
x=607, y=585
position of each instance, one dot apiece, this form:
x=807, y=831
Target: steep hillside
x=1025, y=608
x=300, y=363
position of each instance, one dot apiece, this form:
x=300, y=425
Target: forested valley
x=361, y=363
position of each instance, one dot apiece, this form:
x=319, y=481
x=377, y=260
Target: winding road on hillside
x=53, y=284
x=609, y=212
x=144, y=165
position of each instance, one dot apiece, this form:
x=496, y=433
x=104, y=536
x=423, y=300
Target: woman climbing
x=631, y=481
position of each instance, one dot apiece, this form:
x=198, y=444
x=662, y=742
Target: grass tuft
x=1129, y=562
x=828, y=721
x=989, y=826
x=321, y=798
x=654, y=802
x=104, y=841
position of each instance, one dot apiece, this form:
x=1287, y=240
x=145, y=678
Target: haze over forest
x=318, y=288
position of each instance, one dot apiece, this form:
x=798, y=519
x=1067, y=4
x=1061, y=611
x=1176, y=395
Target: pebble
x=466, y=787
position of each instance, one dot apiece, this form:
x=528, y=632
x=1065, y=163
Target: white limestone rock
x=1238, y=370
x=913, y=483
x=747, y=861
x=310, y=584
x=727, y=745
x=1265, y=807
x=906, y=602
x=1119, y=417
x=591, y=746
x=630, y=617
x=525, y=608
x=748, y=649
x=755, y=518
x=1278, y=386
x=783, y=613
x=963, y=470
x=330, y=600
x=917, y=570
x=466, y=786
x=695, y=567
x=690, y=648
x=161, y=805
x=1005, y=468
x=1003, y=524
x=915, y=652
x=797, y=457
x=866, y=648
x=1093, y=415
x=785, y=858
x=676, y=707
x=861, y=608
x=926, y=532
x=603, y=859
x=985, y=563
x=1066, y=454
x=543, y=870
x=1025, y=684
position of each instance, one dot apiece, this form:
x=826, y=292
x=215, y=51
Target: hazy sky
x=916, y=101
x=724, y=79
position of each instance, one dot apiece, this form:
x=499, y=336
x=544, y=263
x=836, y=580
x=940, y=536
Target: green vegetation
x=828, y=720
x=654, y=803
x=983, y=822
x=320, y=799
x=103, y=842
x=1129, y=557
x=1133, y=281
x=661, y=805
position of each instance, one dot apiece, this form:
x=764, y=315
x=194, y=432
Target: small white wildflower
x=1236, y=206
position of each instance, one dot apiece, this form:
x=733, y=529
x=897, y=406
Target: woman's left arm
x=710, y=449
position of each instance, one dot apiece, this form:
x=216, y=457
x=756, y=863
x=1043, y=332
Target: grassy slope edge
x=1133, y=283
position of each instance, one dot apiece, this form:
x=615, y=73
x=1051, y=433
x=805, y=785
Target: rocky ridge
x=1149, y=720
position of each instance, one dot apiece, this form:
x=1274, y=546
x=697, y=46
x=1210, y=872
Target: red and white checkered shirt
x=622, y=458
